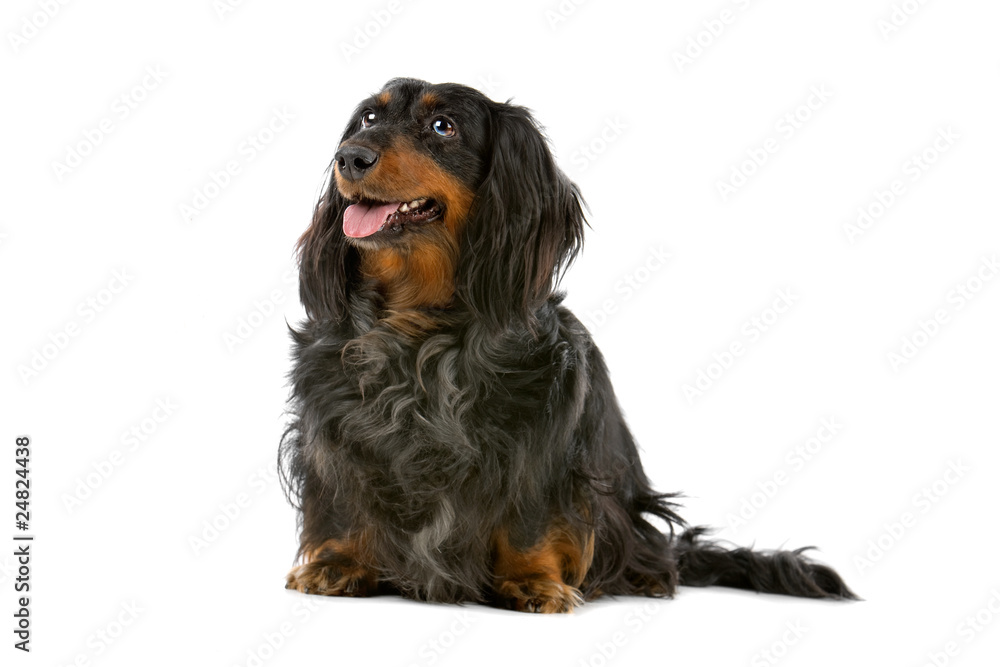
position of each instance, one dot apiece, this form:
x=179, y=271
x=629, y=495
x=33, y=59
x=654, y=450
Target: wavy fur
x=477, y=452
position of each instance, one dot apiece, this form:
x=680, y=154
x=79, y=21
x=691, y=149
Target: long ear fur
x=525, y=229
x=328, y=264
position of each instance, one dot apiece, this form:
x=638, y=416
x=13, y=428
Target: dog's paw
x=539, y=596
x=324, y=578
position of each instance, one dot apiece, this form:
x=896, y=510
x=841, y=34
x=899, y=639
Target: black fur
x=494, y=413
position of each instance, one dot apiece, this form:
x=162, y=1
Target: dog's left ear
x=525, y=228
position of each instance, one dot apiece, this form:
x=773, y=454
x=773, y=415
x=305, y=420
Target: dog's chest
x=438, y=395
x=413, y=425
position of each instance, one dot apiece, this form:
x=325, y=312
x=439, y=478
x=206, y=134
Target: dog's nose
x=355, y=161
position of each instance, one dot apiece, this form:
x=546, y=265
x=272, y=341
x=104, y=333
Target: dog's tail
x=703, y=562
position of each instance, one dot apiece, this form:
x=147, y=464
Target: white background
x=661, y=135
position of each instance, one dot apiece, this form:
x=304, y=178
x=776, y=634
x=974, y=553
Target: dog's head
x=449, y=199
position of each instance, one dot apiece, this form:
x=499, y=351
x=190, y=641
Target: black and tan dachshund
x=455, y=434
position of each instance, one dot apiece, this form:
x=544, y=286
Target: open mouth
x=366, y=217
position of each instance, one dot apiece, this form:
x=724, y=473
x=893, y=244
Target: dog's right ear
x=328, y=263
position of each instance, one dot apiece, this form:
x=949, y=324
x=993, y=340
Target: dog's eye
x=367, y=119
x=444, y=127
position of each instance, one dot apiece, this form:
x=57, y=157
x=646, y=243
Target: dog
x=454, y=434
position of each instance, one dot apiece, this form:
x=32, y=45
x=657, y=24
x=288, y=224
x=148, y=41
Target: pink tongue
x=362, y=220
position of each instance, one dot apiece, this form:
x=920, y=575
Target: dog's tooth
x=404, y=207
x=416, y=203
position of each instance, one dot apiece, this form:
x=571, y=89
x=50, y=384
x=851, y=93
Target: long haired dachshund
x=455, y=434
